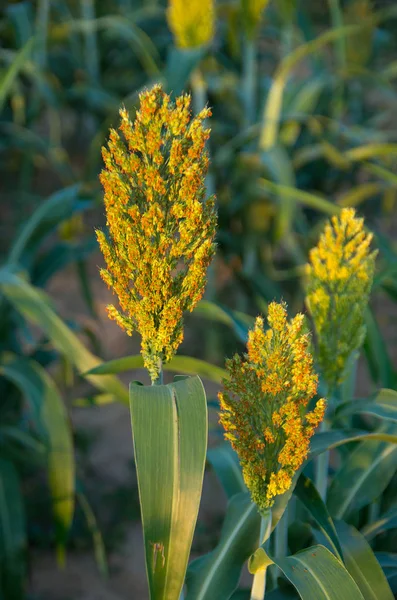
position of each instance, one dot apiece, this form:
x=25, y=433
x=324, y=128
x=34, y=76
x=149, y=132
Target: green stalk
x=160, y=379
x=259, y=584
x=91, y=46
x=322, y=461
x=43, y=11
x=281, y=537
x=322, y=465
x=340, y=49
x=249, y=82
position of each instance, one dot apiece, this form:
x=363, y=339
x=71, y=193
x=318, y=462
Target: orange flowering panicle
x=161, y=227
x=263, y=407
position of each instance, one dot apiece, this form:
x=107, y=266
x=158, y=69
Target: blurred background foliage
x=304, y=99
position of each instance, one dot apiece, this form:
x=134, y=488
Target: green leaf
x=278, y=163
x=169, y=424
x=13, y=70
x=42, y=394
x=321, y=442
x=97, y=539
x=362, y=478
x=299, y=197
x=387, y=560
x=226, y=465
x=315, y=572
x=377, y=356
x=12, y=533
x=311, y=500
x=57, y=207
x=383, y=406
x=216, y=575
x=238, y=321
x=385, y=523
x=361, y=563
x=34, y=305
x=274, y=102
x=186, y=364
x=180, y=65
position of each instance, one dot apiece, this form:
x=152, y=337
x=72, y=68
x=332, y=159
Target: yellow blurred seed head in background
x=252, y=12
x=263, y=407
x=192, y=22
x=161, y=227
x=339, y=278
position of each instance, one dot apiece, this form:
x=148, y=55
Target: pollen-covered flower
x=252, y=11
x=192, y=23
x=161, y=228
x=338, y=283
x=263, y=407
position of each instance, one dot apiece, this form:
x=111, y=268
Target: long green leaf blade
x=42, y=394
x=312, y=501
x=217, y=574
x=35, y=307
x=169, y=424
x=363, y=477
x=315, y=572
x=362, y=565
x=183, y=364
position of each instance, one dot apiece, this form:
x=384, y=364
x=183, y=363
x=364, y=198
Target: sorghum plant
x=338, y=283
x=161, y=232
x=263, y=408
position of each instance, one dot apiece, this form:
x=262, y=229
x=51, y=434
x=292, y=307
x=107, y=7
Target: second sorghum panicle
x=263, y=407
x=339, y=278
x=161, y=227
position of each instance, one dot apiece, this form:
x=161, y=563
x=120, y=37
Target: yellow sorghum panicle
x=263, y=406
x=338, y=283
x=251, y=12
x=192, y=23
x=161, y=227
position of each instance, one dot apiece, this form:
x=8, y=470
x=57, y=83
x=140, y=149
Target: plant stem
x=259, y=583
x=322, y=464
x=159, y=380
x=340, y=50
x=91, y=46
x=281, y=538
x=374, y=511
x=249, y=82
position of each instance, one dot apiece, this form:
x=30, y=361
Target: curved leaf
x=312, y=501
x=186, y=364
x=383, y=406
x=315, y=572
x=226, y=465
x=34, y=305
x=362, y=564
x=385, y=523
x=42, y=394
x=56, y=208
x=216, y=575
x=363, y=477
x=169, y=424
